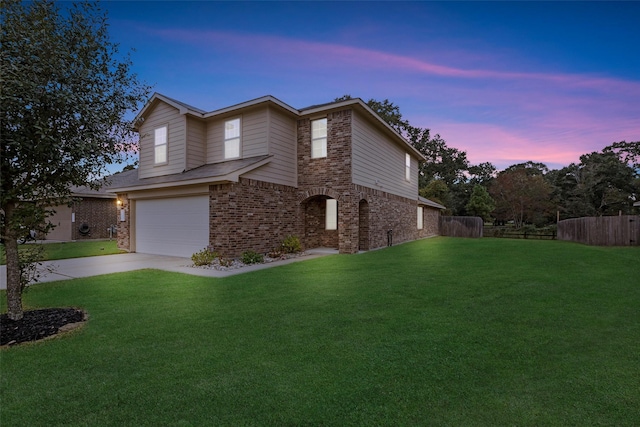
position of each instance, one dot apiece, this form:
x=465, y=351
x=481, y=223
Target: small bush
x=204, y=257
x=251, y=257
x=291, y=245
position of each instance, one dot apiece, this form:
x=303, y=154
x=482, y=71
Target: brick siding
x=98, y=214
x=124, y=227
x=251, y=215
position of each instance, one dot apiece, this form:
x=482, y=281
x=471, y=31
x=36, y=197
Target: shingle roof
x=215, y=172
x=427, y=202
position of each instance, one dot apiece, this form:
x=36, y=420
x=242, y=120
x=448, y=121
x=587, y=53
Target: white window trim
x=319, y=152
x=407, y=167
x=331, y=214
x=165, y=144
x=237, y=150
x=420, y=217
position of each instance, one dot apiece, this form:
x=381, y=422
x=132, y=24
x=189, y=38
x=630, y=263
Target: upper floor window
x=232, y=139
x=160, y=143
x=318, y=138
x=407, y=167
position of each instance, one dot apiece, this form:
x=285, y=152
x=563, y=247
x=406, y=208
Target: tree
x=437, y=191
x=65, y=92
x=603, y=183
x=530, y=168
x=482, y=174
x=443, y=162
x=388, y=111
x=480, y=204
x=521, y=196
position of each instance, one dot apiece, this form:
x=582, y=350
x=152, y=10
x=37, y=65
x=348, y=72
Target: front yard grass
x=65, y=250
x=442, y=331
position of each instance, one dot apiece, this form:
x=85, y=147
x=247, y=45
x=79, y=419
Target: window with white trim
x=420, y=217
x=318, y=138
x=407, y=167
x=160, y=145
x=331, y=215
x=232, y=139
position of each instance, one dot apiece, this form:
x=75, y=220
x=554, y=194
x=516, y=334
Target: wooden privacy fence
x=461, y=226
x=623, y=230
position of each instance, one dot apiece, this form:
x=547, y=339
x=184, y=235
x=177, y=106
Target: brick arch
x=318, y=191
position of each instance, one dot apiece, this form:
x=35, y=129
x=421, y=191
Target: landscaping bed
x=38, y=324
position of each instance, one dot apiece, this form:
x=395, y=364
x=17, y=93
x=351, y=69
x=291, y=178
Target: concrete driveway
x=106, y=264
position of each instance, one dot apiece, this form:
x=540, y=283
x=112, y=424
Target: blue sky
x=506, y=82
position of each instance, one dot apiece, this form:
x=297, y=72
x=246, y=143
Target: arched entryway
x=321, y=222
x=363, y=225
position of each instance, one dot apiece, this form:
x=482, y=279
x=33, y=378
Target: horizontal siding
x=253, y=136
x=377, y=158
x=196, y=154
x=215, y=141
x=282, y=169
x=255, y=132
x=162, y=114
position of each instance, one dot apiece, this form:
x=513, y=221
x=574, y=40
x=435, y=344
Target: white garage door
x=177, y=226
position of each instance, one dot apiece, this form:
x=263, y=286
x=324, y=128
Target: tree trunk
x=14, y=288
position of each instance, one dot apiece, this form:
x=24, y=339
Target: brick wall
x=431, y=218
x=361, y=225
x=395, y=213
x=124, y=227
x=330, y=176
x=252, y=215
x=315, y=235
x=98, y=214
x=333, y=171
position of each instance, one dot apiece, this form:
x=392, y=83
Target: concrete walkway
x=106, y=264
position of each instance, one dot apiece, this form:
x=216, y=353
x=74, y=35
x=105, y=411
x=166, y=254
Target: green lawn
x=443, y=331
x=65, y=250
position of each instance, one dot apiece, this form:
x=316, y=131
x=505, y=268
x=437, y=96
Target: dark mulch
x=37, y=324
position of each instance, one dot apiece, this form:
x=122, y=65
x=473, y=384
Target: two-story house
x=247, y=176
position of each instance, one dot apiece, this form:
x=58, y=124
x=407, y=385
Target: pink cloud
x=554, y=145
x=494, y=114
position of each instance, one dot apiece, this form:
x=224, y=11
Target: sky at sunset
x=507, y=82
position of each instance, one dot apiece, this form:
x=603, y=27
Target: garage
x=177, y=226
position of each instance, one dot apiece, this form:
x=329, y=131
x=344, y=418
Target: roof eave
x=252, y=103
x=426, y=202
x=231, y=177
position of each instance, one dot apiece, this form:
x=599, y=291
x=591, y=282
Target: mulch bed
x=38, y=324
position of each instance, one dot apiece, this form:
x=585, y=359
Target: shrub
x=291, y=245
x=204, y=257
x=251, y=257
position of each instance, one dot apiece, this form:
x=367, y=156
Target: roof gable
x=356, y=103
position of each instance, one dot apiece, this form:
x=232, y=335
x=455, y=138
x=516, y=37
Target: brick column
x=348, y=222
x=124, y=227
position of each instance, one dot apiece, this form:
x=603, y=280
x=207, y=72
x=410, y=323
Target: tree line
x=606, y=182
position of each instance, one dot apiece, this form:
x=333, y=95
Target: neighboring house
x=247, y=176
x=90, y=215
